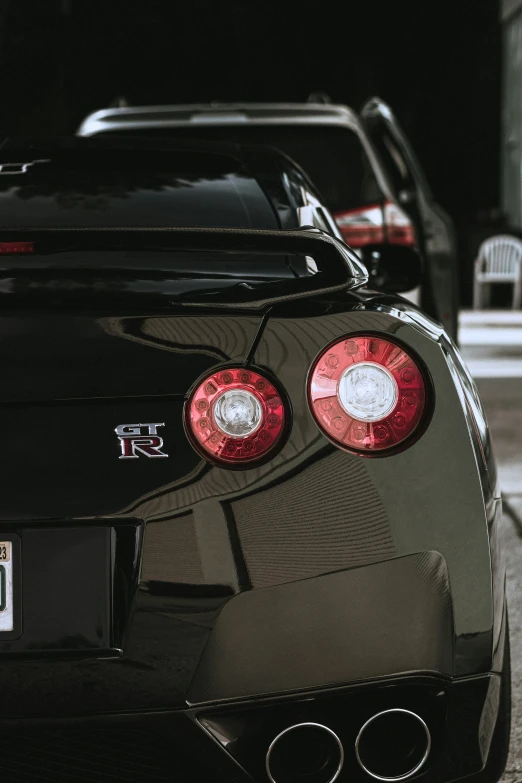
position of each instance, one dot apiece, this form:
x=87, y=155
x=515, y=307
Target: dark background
x=437, y=63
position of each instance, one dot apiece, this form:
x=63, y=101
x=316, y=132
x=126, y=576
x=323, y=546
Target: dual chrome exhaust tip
x=307, y=752
x=392, y=745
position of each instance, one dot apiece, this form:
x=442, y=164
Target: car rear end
x=249, y=522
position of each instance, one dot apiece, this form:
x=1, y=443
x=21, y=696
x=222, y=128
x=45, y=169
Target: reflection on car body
x=309, y=586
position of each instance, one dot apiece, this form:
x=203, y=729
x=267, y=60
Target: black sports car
x=249, y=518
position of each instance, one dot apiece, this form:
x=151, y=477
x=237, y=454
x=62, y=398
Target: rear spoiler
x=40, y=262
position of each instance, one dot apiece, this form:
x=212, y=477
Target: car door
x=434, y=227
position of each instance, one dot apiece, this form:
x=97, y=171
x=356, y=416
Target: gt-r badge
x=137, y=439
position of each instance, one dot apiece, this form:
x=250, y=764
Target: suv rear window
x=333, y=157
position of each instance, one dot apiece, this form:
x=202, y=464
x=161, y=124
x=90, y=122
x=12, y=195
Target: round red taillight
x=366, y=393
x=235, y=416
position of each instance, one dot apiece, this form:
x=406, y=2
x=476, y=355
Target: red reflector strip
x=12, y=248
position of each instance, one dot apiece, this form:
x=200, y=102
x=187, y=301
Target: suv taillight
x=376, y=224
x=367, y=394
x=364, y=226
x=235, y=417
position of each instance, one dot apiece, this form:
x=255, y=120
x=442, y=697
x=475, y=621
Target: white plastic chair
x=499, y=260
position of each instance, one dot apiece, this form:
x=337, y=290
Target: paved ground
x=513, y=543
x=492, y=347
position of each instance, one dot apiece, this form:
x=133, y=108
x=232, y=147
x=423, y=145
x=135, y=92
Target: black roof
x=119, y=182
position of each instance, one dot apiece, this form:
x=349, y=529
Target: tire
x=499, y=750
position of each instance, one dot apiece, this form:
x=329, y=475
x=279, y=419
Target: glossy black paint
x=405, y=597
x=118, y=182
x=199, y=568
x=149, y=489
x=72, y=262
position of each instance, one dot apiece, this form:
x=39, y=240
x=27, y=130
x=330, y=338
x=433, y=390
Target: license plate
x=6, y=586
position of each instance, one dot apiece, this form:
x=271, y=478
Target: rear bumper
x=230, y=743
x=272, y=658
x=92, y=642
x=172, y=650
x=198, y=685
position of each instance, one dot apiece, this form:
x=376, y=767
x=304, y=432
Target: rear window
x=97, y=187
x=333, y=157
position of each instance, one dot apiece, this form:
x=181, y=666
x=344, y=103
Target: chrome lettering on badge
x=140, y=439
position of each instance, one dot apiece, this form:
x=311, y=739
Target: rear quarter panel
x=428, y=497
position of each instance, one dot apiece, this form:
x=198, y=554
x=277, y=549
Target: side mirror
x=393, y=268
